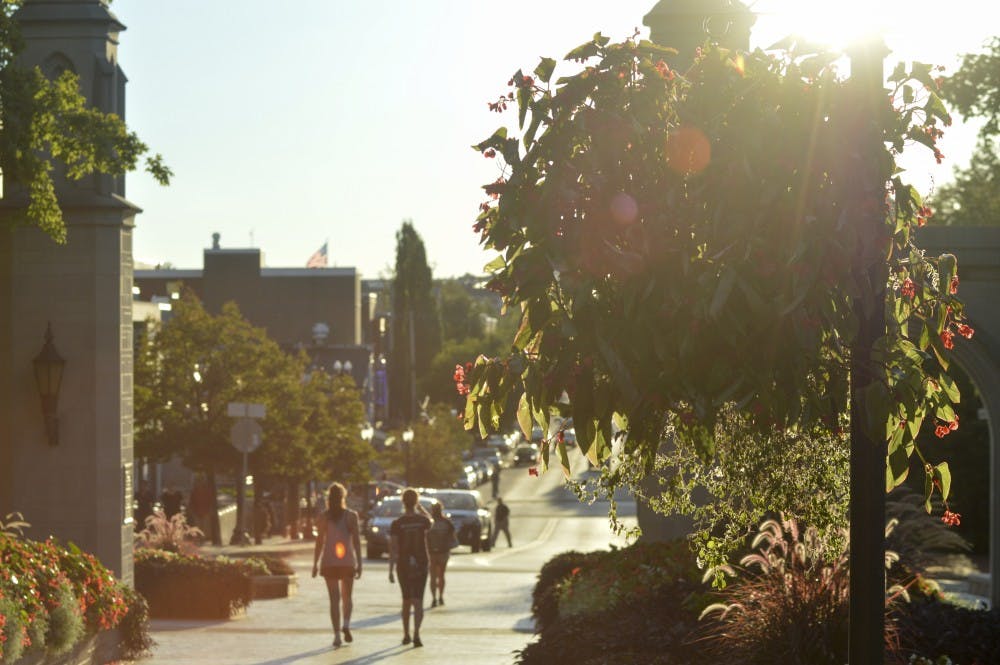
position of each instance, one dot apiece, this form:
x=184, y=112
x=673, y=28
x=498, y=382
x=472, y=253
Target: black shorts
x=337, y=572
x=413, y=581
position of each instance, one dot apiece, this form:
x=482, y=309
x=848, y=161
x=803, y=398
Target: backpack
x=439, y=537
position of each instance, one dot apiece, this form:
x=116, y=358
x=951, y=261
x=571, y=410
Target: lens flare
x=624, y=209
x=340, y=550
x=688, y=150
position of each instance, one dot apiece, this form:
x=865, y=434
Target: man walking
x=501, y=521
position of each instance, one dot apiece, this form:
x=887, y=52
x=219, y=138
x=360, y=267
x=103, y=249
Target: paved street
x=488, y=597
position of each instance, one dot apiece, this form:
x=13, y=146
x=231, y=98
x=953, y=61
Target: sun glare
x=836, y=24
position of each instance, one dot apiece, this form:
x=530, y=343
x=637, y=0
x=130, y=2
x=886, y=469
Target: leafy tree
x=973, y=199
x=47, y=122
x=461, y=314
x=413, y=305
x=685, y=245
x=800, y=474
x=336, y=414
x=196, y=364
x=434, y=458
x=193, y=367
x=438, y=383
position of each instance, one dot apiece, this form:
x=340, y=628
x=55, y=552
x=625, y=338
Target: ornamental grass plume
x=172, y=534
x=790, y=606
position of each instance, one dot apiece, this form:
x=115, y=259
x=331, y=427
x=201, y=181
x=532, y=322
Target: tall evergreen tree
x=416, y=324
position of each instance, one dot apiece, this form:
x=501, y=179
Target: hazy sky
x=290, y=123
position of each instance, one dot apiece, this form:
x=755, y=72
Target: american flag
x=318, y=259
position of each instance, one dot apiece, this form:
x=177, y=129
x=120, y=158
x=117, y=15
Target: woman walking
x=408, y=553
x=440, y=539
x=338, y=541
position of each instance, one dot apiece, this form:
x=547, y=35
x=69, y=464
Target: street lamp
x=407, y=440
x=48, y=376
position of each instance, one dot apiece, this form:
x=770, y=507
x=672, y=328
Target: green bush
x=182, y=586
x=134, y=627
x=544, y=597
x=618, y=607
x=66, y=626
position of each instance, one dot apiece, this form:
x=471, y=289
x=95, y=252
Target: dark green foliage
x=544, y=598
x=179, y=586
x=628, y=621
x=653, y=630
x=933, y=628
x=134, y=628
x=973, y=199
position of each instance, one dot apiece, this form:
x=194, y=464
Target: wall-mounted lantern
x=48, y=376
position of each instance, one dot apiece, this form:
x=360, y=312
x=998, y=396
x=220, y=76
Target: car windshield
x=457, y=501
x=394, y=507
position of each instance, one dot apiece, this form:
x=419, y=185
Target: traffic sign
x=246, y=435
x=245, y=410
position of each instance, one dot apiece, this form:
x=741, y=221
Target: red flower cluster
x=461, y=383
x=945, y=429
x=953, y=287
x=950, y=518
x=923, y=215
x=664, y=71
x=965, y=331
x=908, y=289
x=948, y=338
x=490, y=154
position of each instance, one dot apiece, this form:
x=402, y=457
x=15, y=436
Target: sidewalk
x=486, y=619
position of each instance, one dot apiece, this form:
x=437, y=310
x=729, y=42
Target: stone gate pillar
x=79, y=488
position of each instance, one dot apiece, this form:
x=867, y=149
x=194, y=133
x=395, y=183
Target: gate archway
x=978, y=253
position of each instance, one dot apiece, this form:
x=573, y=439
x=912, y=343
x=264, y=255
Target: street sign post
x=246, y=436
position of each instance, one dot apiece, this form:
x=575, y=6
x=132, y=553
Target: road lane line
x=547, y=530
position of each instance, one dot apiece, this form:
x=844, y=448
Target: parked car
x=362, y=497
x=377, y=527
x=468, y=479
x=472, y=519
x=526, y=453
x=498, y=442
x=491, y=456
x=569, y=436
x=484, y=469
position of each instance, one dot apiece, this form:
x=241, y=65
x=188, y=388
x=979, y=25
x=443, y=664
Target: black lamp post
x=864, y=193
x=48, y=375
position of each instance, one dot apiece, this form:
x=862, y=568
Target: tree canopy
x=973, y=199
x=193, y=366
x=684, y=244
x=44, y=122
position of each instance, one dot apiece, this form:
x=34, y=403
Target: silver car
x=472, y=519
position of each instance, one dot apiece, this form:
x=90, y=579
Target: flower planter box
x=186, y=601
x=93, y=650
x=274, y=586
